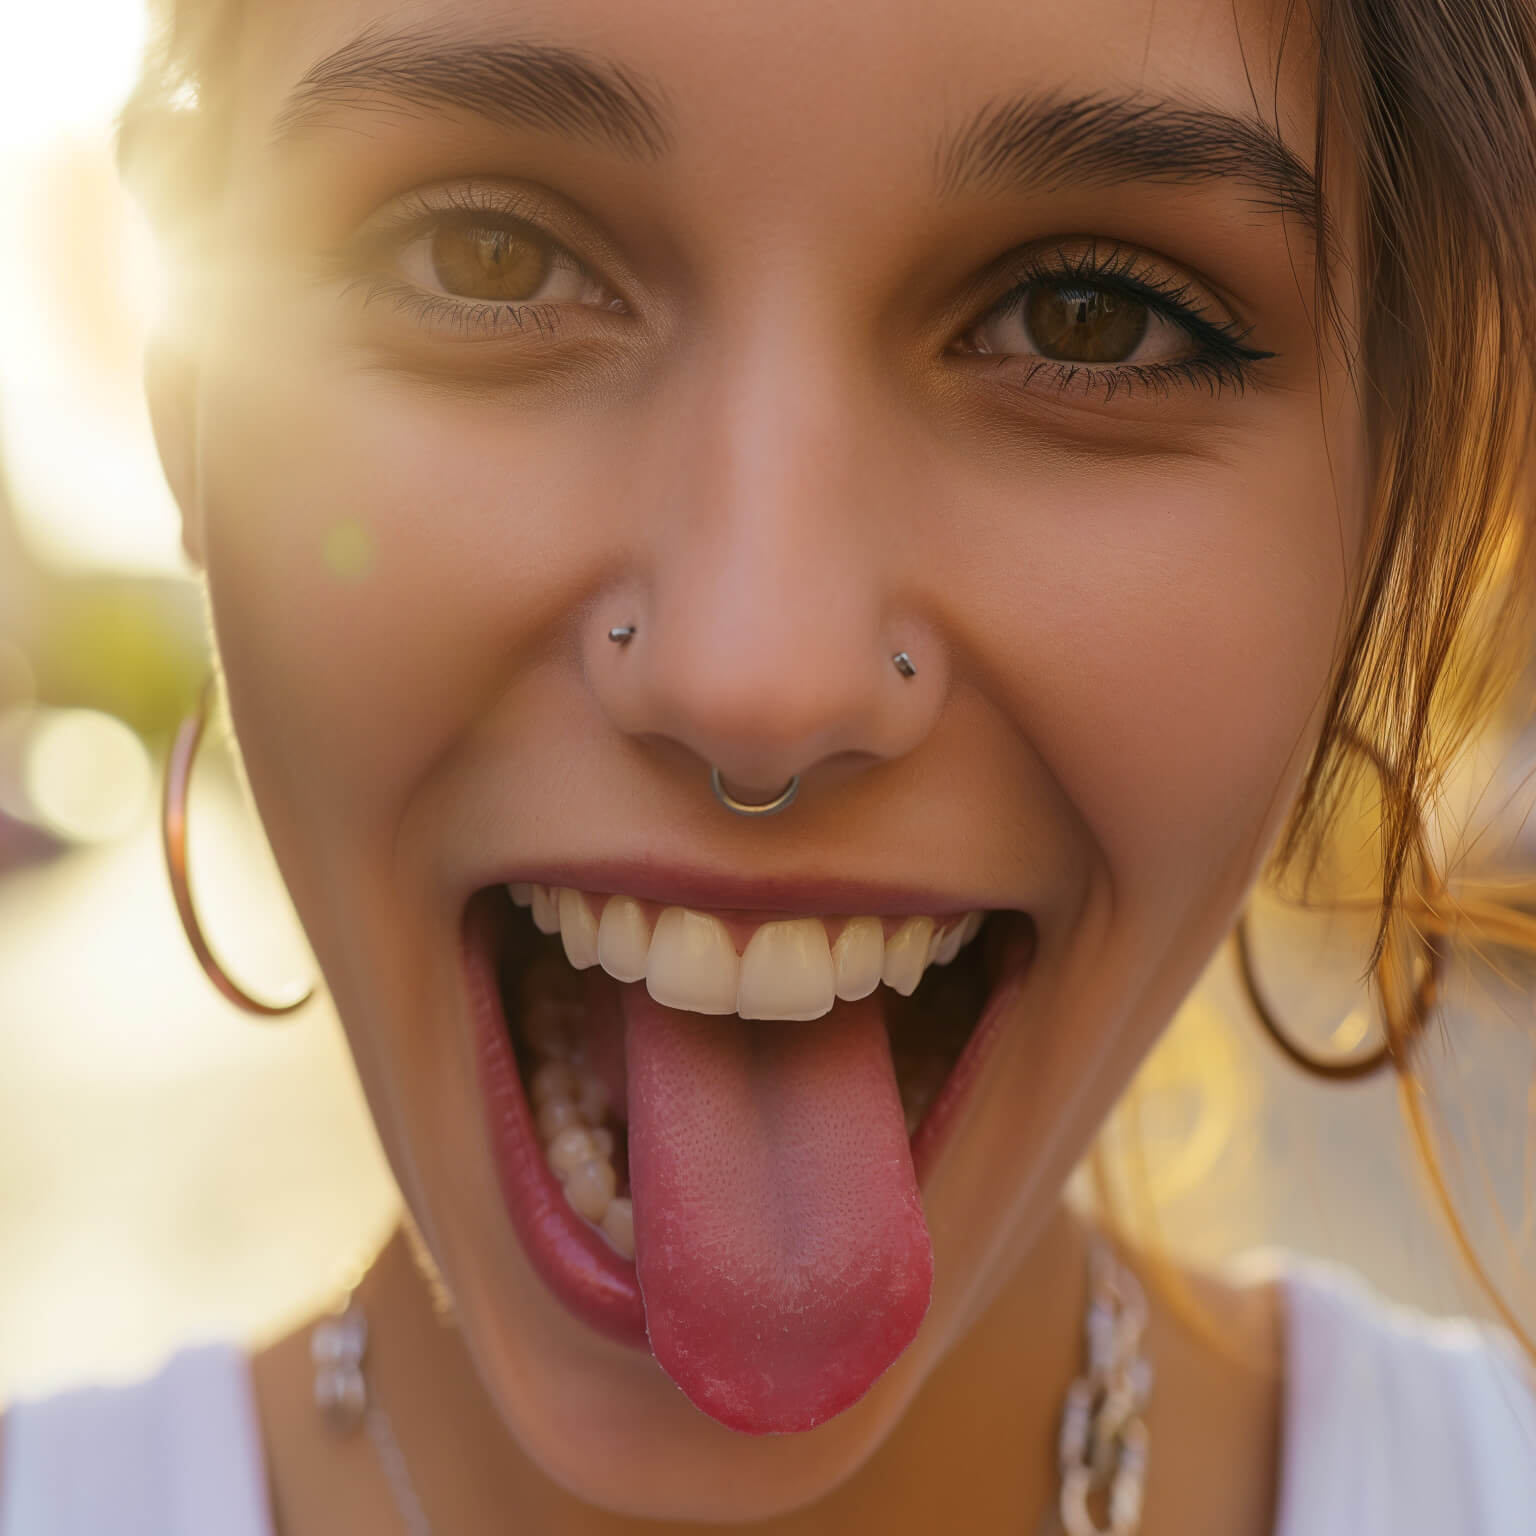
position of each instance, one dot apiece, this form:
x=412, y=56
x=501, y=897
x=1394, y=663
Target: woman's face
x=795, y=337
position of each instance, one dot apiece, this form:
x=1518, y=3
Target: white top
x=1395, y=1425
x=177, y=1455
x=1399, y=1425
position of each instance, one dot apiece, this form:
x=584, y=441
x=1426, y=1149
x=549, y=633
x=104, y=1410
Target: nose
x=770, y=600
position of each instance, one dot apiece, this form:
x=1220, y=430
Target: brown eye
x=476, y=261
x=1106, y=320
x=1074, y=324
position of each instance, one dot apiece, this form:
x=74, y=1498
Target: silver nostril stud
x=622, y=634
x=904, y=664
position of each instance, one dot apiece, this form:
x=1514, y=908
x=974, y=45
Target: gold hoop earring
x=1426, y=993
x=1426, y=986
x=173, y=836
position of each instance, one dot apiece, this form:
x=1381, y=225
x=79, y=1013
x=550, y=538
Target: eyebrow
x=517, y=84
x=1031, y=141
x=1017, y=144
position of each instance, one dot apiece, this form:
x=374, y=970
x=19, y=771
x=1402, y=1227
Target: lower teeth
x=570, y=1101
x=580, y=1155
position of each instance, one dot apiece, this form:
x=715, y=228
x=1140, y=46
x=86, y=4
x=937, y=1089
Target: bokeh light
x=86, y=775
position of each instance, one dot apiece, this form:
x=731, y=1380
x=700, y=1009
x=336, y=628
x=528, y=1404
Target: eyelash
x=482, y=321
x=1222, y=359
x=361, y=261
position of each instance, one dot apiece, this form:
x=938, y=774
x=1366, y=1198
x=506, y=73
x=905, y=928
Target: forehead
x=765, y=83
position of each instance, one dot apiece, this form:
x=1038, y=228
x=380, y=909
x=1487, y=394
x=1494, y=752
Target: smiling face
x=794, y=337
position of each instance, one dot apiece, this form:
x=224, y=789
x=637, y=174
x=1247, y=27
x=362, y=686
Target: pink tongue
x=779, y=1238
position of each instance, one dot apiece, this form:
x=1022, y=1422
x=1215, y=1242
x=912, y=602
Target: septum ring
x=780, y=802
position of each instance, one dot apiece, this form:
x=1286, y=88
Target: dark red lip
x=679, y=886
x=593, y=1281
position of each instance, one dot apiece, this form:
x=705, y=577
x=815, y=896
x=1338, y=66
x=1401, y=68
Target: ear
x=170, y=383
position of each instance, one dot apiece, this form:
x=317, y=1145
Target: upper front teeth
x=692, y=963
x=788, y=969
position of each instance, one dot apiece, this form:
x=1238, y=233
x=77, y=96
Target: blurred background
x=171, y=1169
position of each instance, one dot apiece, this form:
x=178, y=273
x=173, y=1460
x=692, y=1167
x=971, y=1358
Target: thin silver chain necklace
x=1102, y=1452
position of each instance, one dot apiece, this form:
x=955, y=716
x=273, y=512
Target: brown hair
x=1435, y=101
x=1439, y=104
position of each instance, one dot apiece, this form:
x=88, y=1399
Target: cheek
x=381, y=568
x=1204, y=671
x=1175, y=633
x=1197, y=727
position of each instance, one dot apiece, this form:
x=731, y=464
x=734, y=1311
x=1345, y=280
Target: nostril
x=764, y=694
x=753, y=793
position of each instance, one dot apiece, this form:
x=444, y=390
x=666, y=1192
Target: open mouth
x=710, y=1128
